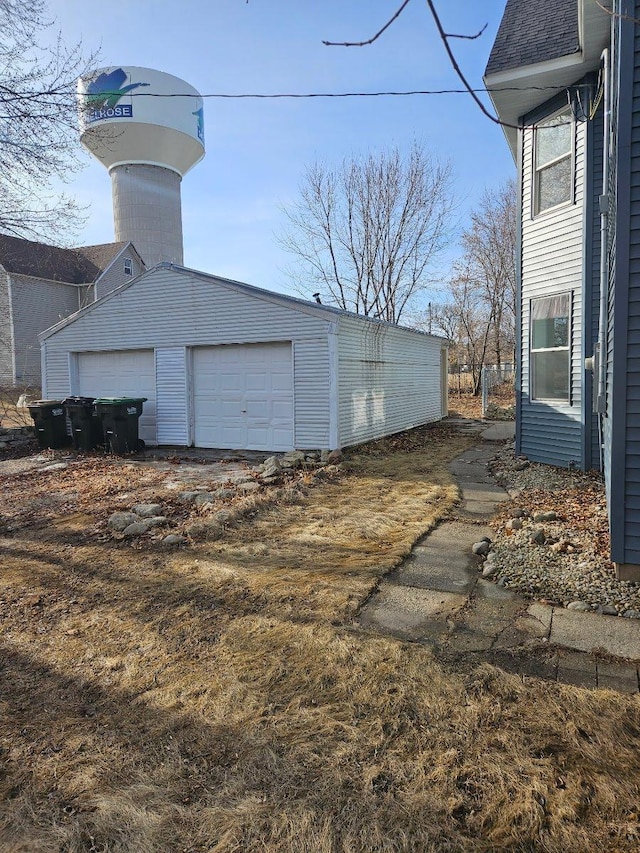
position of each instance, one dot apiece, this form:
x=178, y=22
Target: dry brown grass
x=217, y=699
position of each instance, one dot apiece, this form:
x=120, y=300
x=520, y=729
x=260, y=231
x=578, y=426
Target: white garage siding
x=171, y=309
x=353, y=379
x=172, y=396
x=129, y=373
x=389, y=380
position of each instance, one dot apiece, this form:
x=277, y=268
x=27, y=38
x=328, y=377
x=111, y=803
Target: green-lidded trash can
x=86, y=426
x=50, y=423
x=119, y=417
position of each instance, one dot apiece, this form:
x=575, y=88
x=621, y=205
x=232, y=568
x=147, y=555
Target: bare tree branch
x=38, y=124
x=366, y=235
x=614, y=14
x=373, y=38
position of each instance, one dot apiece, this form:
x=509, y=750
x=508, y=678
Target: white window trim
x=554, y=401
x=535, y=212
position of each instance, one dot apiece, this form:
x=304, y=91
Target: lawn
x=218, y=697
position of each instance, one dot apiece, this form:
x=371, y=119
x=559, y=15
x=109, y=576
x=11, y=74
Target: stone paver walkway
x=437, y=596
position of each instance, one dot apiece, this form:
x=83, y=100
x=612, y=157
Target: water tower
x=147, y=128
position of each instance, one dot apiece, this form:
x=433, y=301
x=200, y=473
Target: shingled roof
x=532, y=32
x=81, y=265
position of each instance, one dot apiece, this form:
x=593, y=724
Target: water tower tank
x=147, y=128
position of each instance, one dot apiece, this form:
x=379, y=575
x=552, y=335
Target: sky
x=258, y=150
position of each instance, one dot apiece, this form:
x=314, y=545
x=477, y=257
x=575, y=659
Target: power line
x=302, y=95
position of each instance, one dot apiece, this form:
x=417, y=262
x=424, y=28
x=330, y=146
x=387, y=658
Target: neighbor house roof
x=82, y=265
x=536, y=32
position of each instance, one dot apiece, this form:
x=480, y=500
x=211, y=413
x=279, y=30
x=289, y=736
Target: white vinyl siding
x=389, y=380
x=552, y=262
x=343, y=393
x=129, y=373
x=172, y=397
x=312, y=403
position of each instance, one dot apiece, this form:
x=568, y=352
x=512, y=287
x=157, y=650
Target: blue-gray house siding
x=552, y=262
x=622, y=433
x=606, y=289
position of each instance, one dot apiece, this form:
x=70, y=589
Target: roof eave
x=535, y=84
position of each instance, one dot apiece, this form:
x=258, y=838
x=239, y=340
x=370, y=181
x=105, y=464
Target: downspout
x=601, y=346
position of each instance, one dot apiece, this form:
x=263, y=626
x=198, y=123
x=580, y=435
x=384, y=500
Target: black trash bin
x=50, y=423
x=86, y=426
x=119, y=416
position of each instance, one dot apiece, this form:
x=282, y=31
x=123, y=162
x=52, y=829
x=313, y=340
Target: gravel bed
x=552, y=541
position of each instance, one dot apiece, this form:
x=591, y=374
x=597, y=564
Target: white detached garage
x=226, y=365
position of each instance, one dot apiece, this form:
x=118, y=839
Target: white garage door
x=243, y=396
x=127, y=373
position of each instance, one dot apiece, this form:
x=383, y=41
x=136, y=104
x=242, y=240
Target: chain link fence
x=498, y=392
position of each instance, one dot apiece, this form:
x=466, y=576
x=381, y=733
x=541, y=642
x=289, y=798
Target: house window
x=550, y=355
x=553, y=161
x=128, y=266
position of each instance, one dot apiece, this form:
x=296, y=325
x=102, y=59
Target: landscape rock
x=580, y=606
x=187, y=496
x=538, y=536
x=293, y=459
x=224, y=494
x=335, y=457
x=223, y=516
x=157, y=520
x=121, y=520
x=147, y=510
x=489, y=569
x=174, y=539
x=522, y=465
x=271, y=469
x=631, y=614
x=514, y=524
x=203, y=498
x=136, y=529
x=609, y=610
x=545, y=516
x=481, y=549
x=248, y=487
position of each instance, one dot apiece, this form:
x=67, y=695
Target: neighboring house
x=41, y=284
x=226, y=365
x=565, y=75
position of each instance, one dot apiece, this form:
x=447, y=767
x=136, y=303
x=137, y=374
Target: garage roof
x=257, y=292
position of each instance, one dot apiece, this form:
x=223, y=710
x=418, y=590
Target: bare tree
x=466, y=320
x=478, y=314
x=38, y=123
x=489, y=246
x=366, y=234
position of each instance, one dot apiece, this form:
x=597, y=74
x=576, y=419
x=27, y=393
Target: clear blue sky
x=258, y=150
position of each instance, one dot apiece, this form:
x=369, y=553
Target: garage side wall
x=389, y=380
x=172, y=309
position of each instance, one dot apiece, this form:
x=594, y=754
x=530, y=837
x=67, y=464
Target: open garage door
x=243, y=396
x=126, y=373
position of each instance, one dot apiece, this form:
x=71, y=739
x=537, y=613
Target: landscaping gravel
x=552, y=541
